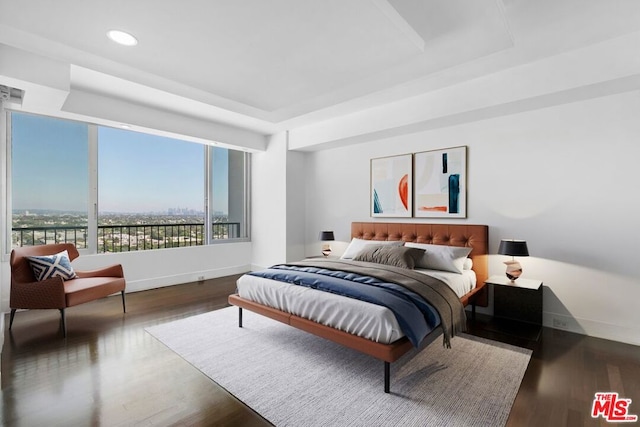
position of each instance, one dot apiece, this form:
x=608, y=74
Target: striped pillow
x=48, y=266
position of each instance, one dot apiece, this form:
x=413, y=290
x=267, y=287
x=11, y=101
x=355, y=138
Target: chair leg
x=13, y=314
x=124, y=307
x=64, y=324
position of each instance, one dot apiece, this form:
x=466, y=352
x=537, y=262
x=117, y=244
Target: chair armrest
x=43, y=294
x=111, y=271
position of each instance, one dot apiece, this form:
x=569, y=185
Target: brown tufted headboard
x=473, y=236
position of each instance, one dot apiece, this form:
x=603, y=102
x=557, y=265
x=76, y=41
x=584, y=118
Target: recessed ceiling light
x=122, y=38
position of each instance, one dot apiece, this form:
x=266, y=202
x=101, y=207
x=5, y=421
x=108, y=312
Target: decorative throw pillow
x=357, y=245
x=48, y=266
x=397, y=256
x=441, y=257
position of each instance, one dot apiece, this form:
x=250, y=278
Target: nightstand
x=517, y=307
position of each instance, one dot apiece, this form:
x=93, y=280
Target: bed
x=380, y=334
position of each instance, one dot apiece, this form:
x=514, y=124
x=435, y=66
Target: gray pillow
x=397, y=256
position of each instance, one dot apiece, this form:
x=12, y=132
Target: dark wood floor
x=110, y=372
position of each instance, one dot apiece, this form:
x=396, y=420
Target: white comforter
x=364, y=319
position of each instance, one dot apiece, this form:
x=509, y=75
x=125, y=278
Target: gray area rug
x=293, y=378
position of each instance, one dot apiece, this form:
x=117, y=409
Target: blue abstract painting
x=440, y=183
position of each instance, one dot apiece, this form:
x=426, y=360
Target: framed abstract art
x=391, y=186
x=441, y=183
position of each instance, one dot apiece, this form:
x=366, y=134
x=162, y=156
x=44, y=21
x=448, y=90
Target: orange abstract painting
x=391, y=186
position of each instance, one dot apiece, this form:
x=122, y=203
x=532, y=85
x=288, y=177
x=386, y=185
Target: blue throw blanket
x=415, y=316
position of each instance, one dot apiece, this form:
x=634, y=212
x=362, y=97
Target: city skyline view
x=138, y=173
x=166, y=212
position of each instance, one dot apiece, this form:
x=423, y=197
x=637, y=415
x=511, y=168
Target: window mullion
x=5, y=168
x=208, y=196
x=92, y=214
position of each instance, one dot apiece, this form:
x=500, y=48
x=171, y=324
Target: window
x=115, y=190
x=150, y=191
x=49, y=176
x=228, y=193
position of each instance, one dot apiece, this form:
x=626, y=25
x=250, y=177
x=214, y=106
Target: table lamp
x=513, y=248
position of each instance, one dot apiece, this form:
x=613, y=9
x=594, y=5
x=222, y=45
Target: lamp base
x=514, y=270
x=326, y=250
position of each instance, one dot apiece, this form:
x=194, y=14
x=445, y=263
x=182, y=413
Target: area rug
x=293, y=378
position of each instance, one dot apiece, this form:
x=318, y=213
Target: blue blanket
x=415, y=316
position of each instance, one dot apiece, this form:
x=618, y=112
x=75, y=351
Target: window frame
x=6, y=214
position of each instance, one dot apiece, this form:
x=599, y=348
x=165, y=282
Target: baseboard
x=591, y=328
x=178, y=279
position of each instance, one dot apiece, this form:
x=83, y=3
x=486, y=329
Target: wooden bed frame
x=473, y=236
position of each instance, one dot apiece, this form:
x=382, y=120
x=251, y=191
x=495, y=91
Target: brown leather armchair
x=27, y=293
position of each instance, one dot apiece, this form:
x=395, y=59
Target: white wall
x=162, y=267
x=296, y=212
x=269, y=203
x=277, y=204
x=564, y=178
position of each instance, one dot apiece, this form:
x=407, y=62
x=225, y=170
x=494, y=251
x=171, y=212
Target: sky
x=137, y=172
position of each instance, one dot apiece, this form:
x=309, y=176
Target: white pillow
x=357, y=245
x=468, y=264
x=440, y=257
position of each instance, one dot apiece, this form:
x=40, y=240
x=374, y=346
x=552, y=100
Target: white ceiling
x=270, y=64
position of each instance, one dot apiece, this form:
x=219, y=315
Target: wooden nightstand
x=517, y=307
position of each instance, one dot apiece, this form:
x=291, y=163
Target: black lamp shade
x=326, y=236
x=513, y=248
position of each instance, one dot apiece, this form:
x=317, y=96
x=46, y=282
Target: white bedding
x=356, y=317
x=460, y=283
